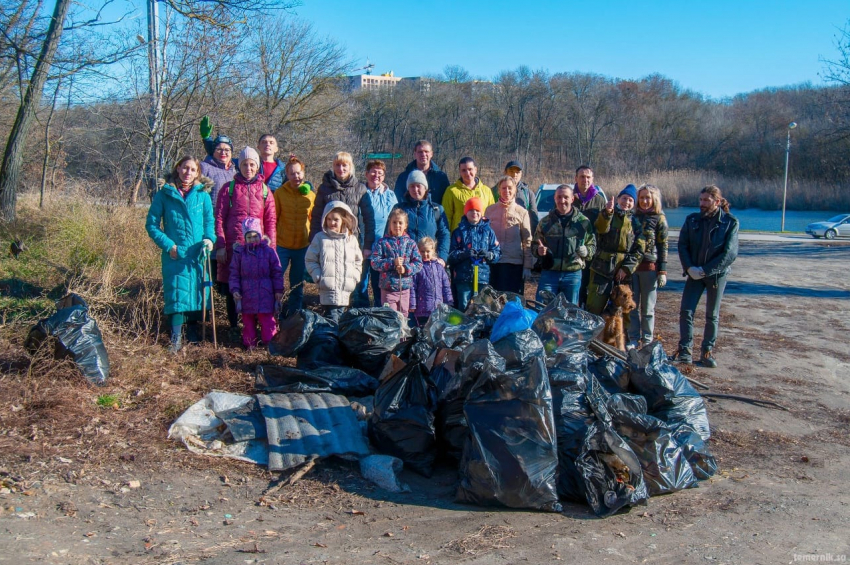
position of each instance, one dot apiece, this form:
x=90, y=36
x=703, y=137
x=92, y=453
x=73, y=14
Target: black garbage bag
x=447, y=327
x=696, y=451
x=519, y=348
x=625, y=402
x=295, y=331
x=663, y=461
x=510, y=458
x=76, y=336
x=573, y=417
x=414, y=350
x=346, y=381
x=369, y=336
x=322, y=347
x=669, y=395
x=402, y=423
x=562, y=324
x=452, y=428
x=487, y=306
x=612, y=373
x=610, y=470
x=672, y=399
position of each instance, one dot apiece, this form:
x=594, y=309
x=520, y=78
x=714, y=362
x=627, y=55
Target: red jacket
x=246, y=201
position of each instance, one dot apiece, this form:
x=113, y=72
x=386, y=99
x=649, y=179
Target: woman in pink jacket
x=245, y=196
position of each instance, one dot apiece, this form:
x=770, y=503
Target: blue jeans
x=642, y=318
x=557, y=282
x=295, y=259
x=369, y=277
x=714, y=287
x=464, y=295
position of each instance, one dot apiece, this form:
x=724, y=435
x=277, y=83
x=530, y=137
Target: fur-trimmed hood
x=206, y=182
x=263, y=241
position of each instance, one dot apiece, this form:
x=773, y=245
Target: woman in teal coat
x=181, y=223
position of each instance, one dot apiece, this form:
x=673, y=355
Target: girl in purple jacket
x=431, y=285
x=256, y=281
x=396, y=257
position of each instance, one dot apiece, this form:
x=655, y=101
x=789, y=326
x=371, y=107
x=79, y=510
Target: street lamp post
x=791, y=126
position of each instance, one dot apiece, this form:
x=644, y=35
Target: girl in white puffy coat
x=334, y=259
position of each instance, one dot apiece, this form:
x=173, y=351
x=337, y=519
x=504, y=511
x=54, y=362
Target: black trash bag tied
x=612, y=474
x=346, y=381
x=294, y=332
x=612, y=373
x=369, y=335
x=402, y=423
x=672, y=399
x=414, y=350
x=519, y=348
x=77, y=337
x=510, y=458
x=322, y=348
x=562, y=325
x=573, y=417
x=452, y=391
x=447, y=327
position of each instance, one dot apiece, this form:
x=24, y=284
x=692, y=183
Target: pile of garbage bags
x=514, y=398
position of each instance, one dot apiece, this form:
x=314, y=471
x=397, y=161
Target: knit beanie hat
x=223, y=139
x=630, y=190
x=473, y=203
x=250, y=153
x=417, y=177
x=251, y=224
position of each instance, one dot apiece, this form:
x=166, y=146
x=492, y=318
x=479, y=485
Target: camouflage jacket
x=619, y=243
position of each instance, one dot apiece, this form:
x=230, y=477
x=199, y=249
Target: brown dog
x=616, y=316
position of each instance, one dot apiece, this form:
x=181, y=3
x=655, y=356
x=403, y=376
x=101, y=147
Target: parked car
x=545, y=199
x=839, y=226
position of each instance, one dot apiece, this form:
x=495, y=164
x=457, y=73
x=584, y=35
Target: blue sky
x=718, y=48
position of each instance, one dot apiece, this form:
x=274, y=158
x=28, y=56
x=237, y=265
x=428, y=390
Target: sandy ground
x=781, y=495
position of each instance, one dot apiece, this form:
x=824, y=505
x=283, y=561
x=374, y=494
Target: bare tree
x=13, y=155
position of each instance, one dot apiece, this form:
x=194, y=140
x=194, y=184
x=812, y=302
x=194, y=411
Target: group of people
x=425, y=241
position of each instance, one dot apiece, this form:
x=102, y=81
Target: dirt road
x=781, y=494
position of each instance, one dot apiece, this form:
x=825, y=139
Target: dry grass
x=47, y=409
x=681, y=188
x=487, y=538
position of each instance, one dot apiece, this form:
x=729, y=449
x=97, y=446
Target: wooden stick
x=293, y=478
x=747, y=399
x=212, y=302
x=204, y=299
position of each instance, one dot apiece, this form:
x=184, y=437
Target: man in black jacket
x=438, y=181
x=708, y=244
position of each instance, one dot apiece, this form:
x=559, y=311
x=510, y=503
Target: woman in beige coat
x=512, y=225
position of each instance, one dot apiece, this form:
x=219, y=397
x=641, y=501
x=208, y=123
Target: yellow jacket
x=456, y=196
x=293, y=216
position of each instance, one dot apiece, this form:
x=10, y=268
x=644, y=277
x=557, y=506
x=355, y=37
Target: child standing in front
x=431, y=285
x=256, y=281
x=474, y=243
x=334, y=260
x=397, y=259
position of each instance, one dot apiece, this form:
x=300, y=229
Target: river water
x=755, y=219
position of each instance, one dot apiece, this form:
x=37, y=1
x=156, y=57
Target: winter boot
x=683, y=355
x=176, y=339
x=707, y=359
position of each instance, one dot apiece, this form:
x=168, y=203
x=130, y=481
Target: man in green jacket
x=562, y=241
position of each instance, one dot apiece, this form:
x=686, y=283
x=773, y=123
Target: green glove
x=304, y=189
x=206, y=127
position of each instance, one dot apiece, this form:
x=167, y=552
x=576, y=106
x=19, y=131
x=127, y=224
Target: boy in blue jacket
x=474, y=244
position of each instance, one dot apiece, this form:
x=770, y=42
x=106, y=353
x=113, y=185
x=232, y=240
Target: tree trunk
x=46, y=163
x=13, y=156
